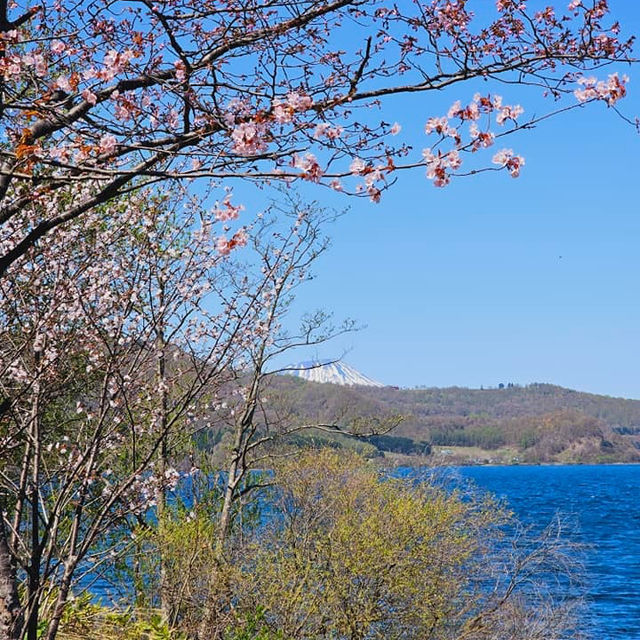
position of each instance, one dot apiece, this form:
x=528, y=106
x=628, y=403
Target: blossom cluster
x=441, y=164
x=100, y=96
x=610, y=91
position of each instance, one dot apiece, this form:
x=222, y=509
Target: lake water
x=604, y=502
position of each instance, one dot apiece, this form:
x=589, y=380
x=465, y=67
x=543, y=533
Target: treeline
x=458, y=404
x=544, y=438
x=368, y=446
x=483, y=437
x=509, y=402
x=542, y=422
x=400, y=444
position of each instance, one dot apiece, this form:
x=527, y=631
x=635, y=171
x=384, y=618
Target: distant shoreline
x=400, y=460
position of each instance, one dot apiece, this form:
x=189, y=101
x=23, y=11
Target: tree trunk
x=61, y=600
x=161, y=498
x=161, y=494
x=36, y=550
x=33, y=607
x=10, y=611
x=230, y=496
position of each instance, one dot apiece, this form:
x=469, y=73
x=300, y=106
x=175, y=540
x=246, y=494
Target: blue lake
x=604, y=503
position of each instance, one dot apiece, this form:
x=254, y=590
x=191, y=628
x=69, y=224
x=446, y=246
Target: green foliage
x=350, y=554
x=83, y=618
x=349, y=571
x=252, y=627
x=400, y=444
x=528, y=439
x=155, y=628
x=317, y=439
x=80, y=613
x=485, y=437
x=338, y=552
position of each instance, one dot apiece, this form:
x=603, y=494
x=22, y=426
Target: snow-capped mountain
x=333, y=372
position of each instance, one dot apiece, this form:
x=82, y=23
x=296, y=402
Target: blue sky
x=494, y=279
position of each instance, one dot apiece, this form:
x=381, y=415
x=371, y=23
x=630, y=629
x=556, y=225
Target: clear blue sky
x=493, y=279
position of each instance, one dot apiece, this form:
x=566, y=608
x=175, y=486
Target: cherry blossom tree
x=102, y=98
x=256, y=432
x=112, y=347
x=118, y=344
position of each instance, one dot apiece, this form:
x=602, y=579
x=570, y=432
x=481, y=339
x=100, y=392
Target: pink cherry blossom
x=89, y=96
x=453, y=159
x=480, y=138
x=506, y=158
x=308, y=164
x=502, y=157
x=298, y=101
x=60, y=153
x=37, y=61
x=181, y=70
x=223, y=246
x=438, y=125
x=249, y=138
x=173, y=118
x=62, y=82
x=509, y=113
x=324, y=129
x=58, y=47
x=226, y=211
x=114, y=63
x=357, y=166
x=107, y=144
x=321, y=129
x=610, y=91
x=126, y=109
x=240, y=238
x=263, y=92
x=282, y=113
x=439, y=165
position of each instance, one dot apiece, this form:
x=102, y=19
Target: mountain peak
x=333, y=372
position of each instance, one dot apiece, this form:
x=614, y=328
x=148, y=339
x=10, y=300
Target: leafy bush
x=351, y=554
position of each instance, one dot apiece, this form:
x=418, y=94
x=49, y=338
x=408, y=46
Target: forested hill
x=509, y=402
x=537, y=422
